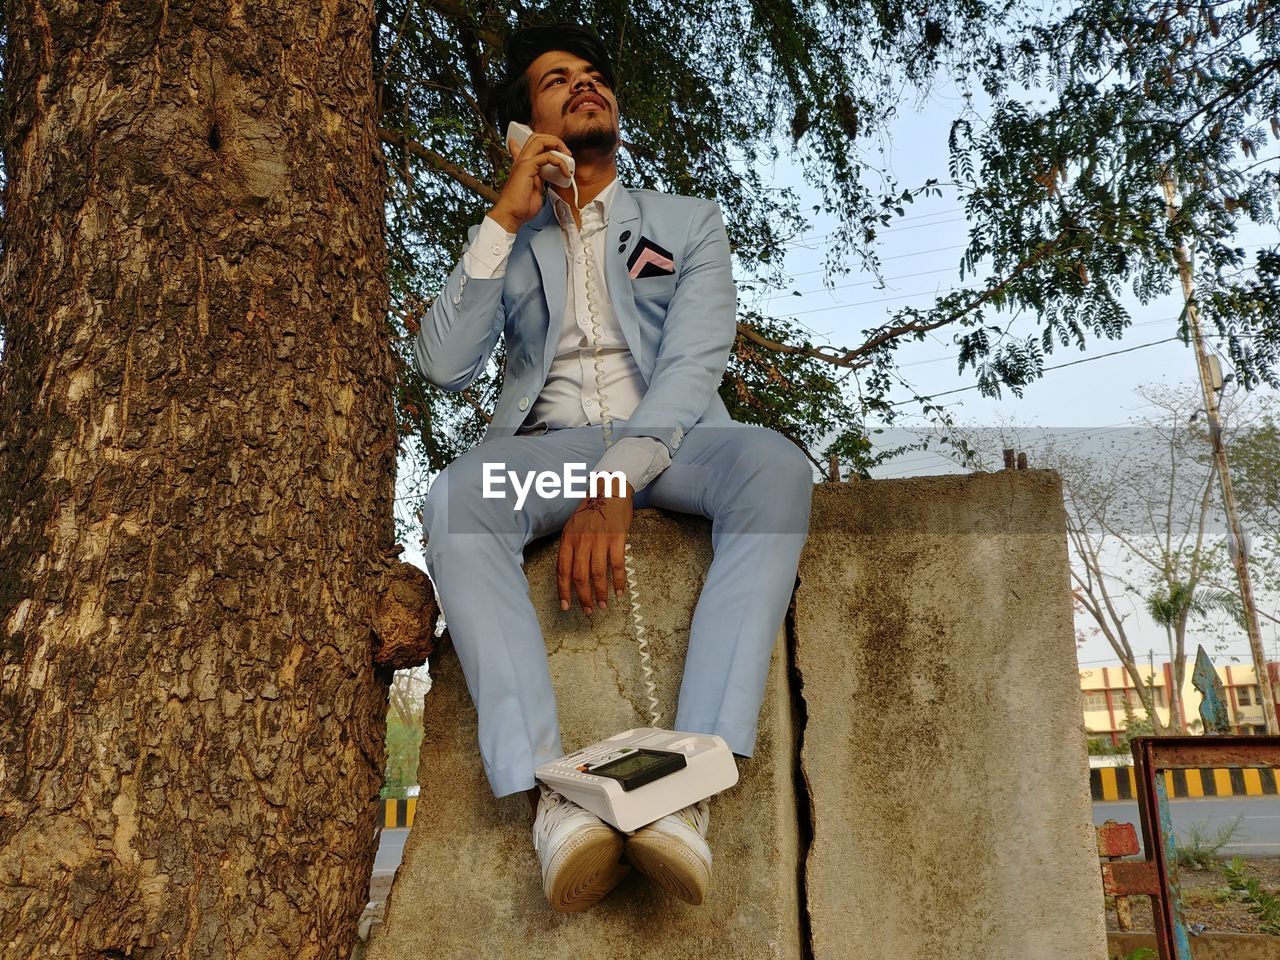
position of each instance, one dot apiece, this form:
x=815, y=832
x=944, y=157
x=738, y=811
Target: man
x=619, y=315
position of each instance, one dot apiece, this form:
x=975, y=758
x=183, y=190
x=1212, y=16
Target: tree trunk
x=1175, y=687
x=196, y=479
x=1178, y=670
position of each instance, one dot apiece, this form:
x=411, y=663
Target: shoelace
x=553, y=810
x=697, y=815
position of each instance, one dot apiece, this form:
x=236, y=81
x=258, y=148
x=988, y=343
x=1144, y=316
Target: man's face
x=572, y=101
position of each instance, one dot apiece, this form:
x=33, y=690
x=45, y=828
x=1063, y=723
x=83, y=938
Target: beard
x=597, y=138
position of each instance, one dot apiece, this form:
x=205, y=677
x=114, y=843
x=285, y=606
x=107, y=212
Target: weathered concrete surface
x=1207, y=946
x=469, y=884
x=943, y=747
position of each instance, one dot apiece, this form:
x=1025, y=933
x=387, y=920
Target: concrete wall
x=469, y=884
x=932, y=650
x=935, y=649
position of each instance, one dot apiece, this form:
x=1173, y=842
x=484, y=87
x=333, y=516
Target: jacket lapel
x=624, y=217
x=548, y=250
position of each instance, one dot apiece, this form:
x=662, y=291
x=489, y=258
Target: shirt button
x=578, y=258
x=456, y=298
x=497, y=249
x=524, y=403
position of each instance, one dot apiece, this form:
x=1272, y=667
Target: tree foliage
x=1075, y=119
x=704, y=98
x=1066, y=198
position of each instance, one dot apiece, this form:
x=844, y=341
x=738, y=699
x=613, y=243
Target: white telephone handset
x=550, y=172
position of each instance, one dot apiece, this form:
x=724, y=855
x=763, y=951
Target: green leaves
x=1263, y=904
x=1090, y=107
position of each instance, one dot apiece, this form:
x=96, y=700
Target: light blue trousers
x=752, y=483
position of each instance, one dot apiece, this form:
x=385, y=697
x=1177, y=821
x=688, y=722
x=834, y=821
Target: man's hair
x=513, y=99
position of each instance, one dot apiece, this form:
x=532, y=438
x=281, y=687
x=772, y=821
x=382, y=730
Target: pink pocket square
x=649, y=260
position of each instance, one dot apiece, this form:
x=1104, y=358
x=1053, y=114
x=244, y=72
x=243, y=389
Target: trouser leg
x=756, y=486
x=475, y=556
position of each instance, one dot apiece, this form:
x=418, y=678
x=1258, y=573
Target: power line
x=896, y=256
x=911, y=219
x=866, y=283
x=903, y=256
x=799, y=244
x=1059, y=366
x=865, y=303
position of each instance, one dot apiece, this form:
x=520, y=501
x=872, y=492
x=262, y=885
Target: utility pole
x=1240, y=553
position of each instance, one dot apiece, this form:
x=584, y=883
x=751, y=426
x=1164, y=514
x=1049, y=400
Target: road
x=1257, y=836
x=390, y=850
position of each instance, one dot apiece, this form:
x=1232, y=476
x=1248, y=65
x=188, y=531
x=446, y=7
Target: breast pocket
x=657, y=287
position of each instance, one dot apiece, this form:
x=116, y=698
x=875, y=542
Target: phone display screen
x=641, y=767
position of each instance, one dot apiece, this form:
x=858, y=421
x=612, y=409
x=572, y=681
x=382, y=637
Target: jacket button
x=456, y=299
x=626, y=235
x=524, y=403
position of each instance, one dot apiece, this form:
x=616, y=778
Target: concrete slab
x=942, y=742
x=469, y=884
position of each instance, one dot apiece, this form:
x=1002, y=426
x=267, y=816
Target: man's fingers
x=617, y=559
x=540, y=160
x=581, y=574
x=600, y=573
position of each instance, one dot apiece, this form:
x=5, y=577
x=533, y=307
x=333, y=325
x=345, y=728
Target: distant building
x=1106, y=691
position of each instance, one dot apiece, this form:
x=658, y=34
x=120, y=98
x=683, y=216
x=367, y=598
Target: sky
x=922, y=251
x=920, y=255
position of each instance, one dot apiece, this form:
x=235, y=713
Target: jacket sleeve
x=461, y=329
x=697, y=336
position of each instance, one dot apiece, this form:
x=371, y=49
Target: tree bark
x=196, y=479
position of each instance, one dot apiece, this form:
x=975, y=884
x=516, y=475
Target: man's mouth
x=588, y=102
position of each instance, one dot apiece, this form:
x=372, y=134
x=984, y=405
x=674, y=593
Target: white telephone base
x=641, y=775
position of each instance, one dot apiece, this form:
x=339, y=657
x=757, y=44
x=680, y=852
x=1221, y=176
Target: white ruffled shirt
x=570, y=397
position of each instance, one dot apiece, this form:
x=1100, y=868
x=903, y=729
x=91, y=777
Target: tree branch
x=853, y=358
x=439, y=163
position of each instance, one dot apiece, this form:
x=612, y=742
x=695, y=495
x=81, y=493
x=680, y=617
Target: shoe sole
x=585, y=869
x=670, y=864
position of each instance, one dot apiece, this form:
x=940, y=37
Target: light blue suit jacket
x=680, y=328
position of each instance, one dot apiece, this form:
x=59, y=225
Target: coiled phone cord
x=633, y=586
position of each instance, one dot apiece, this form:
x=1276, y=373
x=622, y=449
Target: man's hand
x=591, y=544
x=521, y=196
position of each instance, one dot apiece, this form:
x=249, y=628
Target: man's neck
x=591, y=179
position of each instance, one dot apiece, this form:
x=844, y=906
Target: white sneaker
x=673, y=852
x=580, y=853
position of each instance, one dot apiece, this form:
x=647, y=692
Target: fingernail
x=564, y=604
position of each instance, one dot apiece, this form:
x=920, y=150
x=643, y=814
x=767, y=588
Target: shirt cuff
x=486, y=258
x=640, y=459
